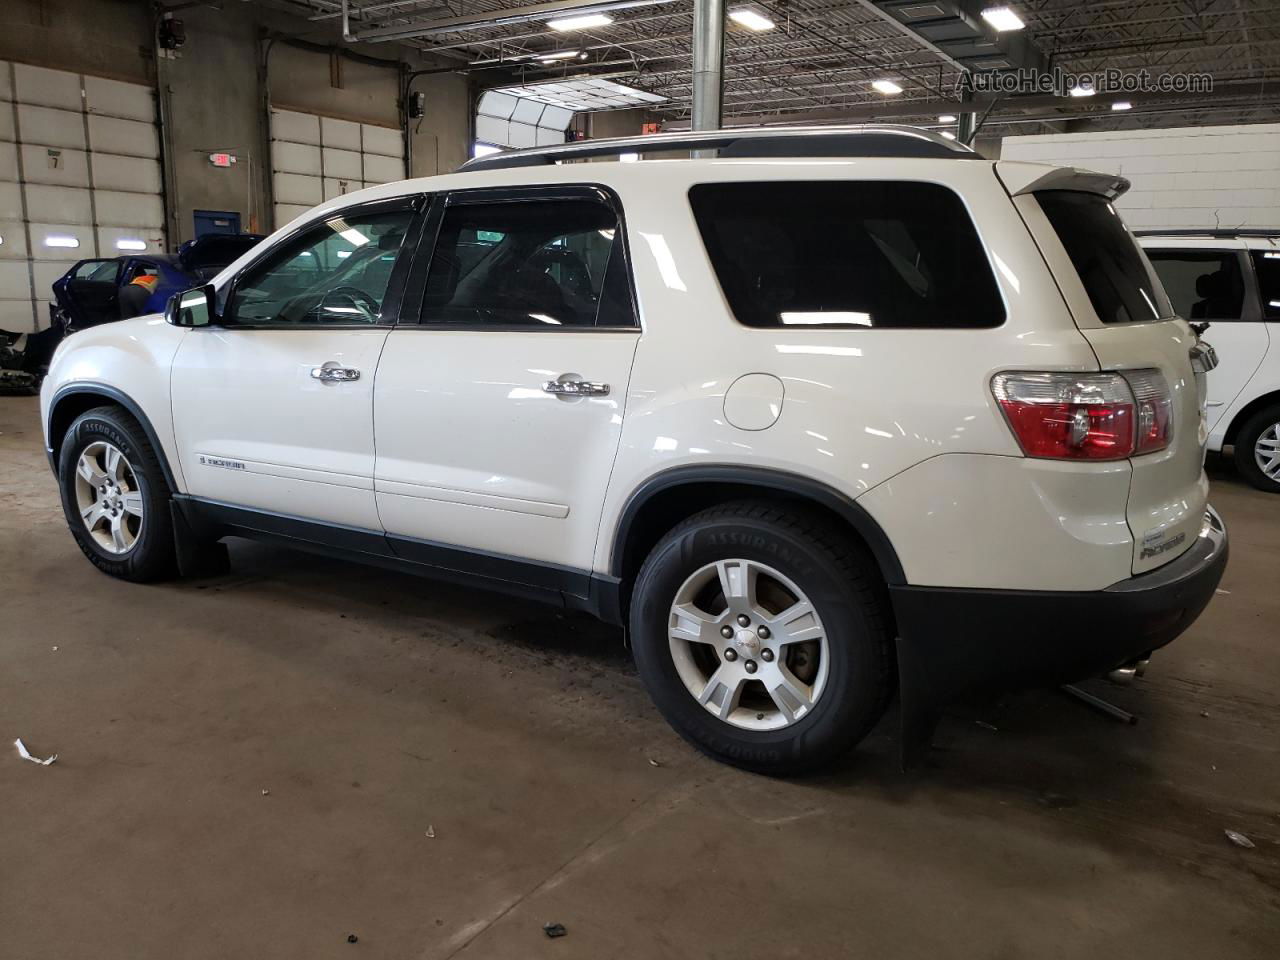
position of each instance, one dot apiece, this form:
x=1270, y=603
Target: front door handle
x=571, y=385
x=331, y=372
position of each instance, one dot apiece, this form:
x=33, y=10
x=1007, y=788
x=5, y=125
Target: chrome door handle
x=330, y=372
x=570, y=385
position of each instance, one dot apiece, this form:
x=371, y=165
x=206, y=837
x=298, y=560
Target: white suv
x=1230, y=279
x=838, y=414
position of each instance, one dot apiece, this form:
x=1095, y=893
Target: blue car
x=100, y=291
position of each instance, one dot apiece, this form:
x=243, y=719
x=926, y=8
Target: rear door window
x=1266, y=264
x=1115, y=274
x=1201, y=284
x=847, y=254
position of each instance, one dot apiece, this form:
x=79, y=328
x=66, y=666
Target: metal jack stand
x=1097, y=703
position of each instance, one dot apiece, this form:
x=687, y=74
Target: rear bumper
x=956, y=641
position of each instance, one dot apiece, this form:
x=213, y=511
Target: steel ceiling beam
x=480, y=20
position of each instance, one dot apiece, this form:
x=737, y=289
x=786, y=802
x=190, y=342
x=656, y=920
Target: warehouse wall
x=1226, y=176
x=215, y=92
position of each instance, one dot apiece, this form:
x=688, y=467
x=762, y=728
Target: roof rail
x=863, y=140
x=1217, y=233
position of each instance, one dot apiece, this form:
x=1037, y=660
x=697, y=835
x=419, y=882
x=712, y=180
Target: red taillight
x=1086, y=416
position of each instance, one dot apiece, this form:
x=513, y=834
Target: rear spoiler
x=1020, y=178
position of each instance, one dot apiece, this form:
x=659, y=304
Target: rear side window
x=1201, y=284
x=848, y=254
x=1109, y=262
x=1266, y=264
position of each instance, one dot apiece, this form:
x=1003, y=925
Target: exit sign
x=222, y=159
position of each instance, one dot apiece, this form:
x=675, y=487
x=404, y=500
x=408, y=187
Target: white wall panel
x=129, y=209
x=58, y=204
x=15, y=281
x=295, y=158
x=13, y=239
x=339, y=133
x=6, y=120
x=135, y=174
x=47, y=88
x=383, y=141
x=6, y=84
x=382, y=169
x=56, y=165
x=16, y=314
x=334, y=187
x=43, y=273
x=342, y=163
x=8, y=161
x=1185, y=178
x=295, y=127
x=298, y=189
x=107, y=237
x=116, y=99
x=286, y=212
x=130, y=137
x=10, y=201
x=49, y=127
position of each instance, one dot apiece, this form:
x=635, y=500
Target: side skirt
x=566, y=587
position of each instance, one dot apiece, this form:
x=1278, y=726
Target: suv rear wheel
x=115, y=497
x=1257, y=451
x=762, y=638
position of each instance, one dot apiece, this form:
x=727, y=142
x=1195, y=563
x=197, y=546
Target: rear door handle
x=331, y=372
x=570, y=385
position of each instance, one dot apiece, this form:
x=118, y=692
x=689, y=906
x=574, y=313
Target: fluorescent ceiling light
x=887, y=87
x=751, y=19
x=1122, y=105
x=948, y=134
x=585, y=22
x=1002, y=19
x=60, y=241
x=628, y=157
x=131, y=244
x=558, y=55
x=1080, y=91
x=947, y=118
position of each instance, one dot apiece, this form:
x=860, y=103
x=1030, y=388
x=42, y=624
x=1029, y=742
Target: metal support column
x=708, y=63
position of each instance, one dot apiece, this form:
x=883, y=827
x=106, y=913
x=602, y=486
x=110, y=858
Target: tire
x=771, y=733
x=1260, y=431
x=144, y=551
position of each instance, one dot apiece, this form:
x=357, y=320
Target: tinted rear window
x=1105, y=255
x=1267, y=266
x=834, y=253
x=1201, y=284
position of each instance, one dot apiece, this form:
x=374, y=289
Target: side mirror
x=193, y=308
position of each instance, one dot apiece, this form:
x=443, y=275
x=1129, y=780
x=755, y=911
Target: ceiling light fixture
x=558, y=55
x=61, y=241
x=1122, y=105
x=1002, y=19
x=1081, y=91
x=887, y=87
x=585, y=22
x=947, y=118
x=751, y=19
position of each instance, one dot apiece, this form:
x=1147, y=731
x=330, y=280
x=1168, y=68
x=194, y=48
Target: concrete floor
x=250, y=766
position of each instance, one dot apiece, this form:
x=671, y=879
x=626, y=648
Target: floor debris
x=22, y=752
x=431, y=832
x=554, y=930
x=1239, y=839
x=654, y=763
x=352, y=938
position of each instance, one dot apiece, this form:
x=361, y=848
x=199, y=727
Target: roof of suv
x=865, y=140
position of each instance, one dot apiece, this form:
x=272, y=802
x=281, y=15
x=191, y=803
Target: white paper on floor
x=22, y=752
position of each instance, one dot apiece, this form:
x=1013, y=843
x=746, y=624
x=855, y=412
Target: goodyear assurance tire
x=762, y=637
x=115, y=497
x=1258, y=449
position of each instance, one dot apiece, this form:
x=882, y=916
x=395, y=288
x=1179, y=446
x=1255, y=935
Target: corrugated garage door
x=79, y=177
x=317, y=158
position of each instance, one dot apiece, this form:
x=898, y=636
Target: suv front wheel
x=762, y=637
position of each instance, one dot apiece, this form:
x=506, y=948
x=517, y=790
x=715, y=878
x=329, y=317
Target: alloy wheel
x=748, y=645
x=1266, y=451
x=108, y=497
